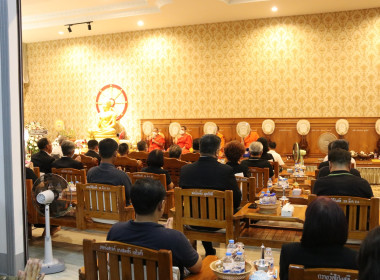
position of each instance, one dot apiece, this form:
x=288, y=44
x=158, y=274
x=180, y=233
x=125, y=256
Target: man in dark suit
x=208, y=173
x=340, y=181
x=42, y=159
x=67, y=161
x=93, y=150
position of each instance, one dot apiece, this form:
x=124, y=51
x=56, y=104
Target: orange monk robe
x=160, y=139
x=222, y=143
x=252, y=137
x=185, y=142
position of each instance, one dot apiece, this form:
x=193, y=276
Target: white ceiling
x=43, y=19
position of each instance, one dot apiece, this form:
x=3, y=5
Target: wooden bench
x=143, y=156
x=88, y=162
x=101, y=201
x=113, y=260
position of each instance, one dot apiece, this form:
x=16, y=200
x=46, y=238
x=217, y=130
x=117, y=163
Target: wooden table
x=206, y=272
x=283, y=231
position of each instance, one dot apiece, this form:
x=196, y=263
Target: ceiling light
x=89, y=25
x=140, y=23
x=61, y=32
x=274, y=9
x=69, y=28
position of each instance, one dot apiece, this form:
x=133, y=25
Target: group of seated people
x=325, y=228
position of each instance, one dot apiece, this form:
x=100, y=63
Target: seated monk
x=184, y=140
x=106, y=125
x=156, y=140
x=222, y=142
x=252, y=137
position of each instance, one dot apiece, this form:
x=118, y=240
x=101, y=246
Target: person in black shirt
x=67, y=161
x=93, y=150
x=265, y=154
x=42, y=159
x=155, y=163
x=234, y=151
x=324, y=234
x=340, y=181
x=148, y=199
x=369, y=256
x=255, y=160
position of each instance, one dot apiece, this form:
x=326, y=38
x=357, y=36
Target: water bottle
x=231, y=246
x=265, y=199
x=228, y=263
x=239, y=263
x=261, y=197
x=273, y=198
x=269, y=258
x=269, y=184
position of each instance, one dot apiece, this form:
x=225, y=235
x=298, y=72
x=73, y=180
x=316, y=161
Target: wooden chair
x=166, y=154
x=114, y=260
x=174, y=165
x=190, y=157
x=276, y=168
x=160, y=177
x=71, y=174
x=88, y=162
x=247, y=188
x=127, y=164
x=205, y=208
x=143, y=156
x=261, y=176
x=362, y=216
x=101, y=201
x=36, y=171
x=298, y=272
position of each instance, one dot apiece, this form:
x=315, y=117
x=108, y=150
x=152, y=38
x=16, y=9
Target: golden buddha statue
x=106, y=124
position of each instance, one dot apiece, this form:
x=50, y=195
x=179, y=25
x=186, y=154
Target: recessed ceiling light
x=274, y=9
x=140, y=23
x=61, y=33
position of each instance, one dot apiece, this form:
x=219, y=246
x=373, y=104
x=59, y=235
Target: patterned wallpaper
x=324, y=65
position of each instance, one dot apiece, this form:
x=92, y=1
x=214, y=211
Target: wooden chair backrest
x=298, y=272
x=71, y=174
x=100, y=201
x=276, y=168
x=204, y=207
x=362, y=214
x=247, y=188
x=174, y=165
x=143, y=156
x=140, y=175
x=190, y=157
x=261, y=176
x=127, y=164
x=113, y=260
x=31, y=210
x=36, y=171
x=88, y=162
x=166, y=154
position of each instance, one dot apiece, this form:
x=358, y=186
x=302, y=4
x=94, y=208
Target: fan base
x=54, y=267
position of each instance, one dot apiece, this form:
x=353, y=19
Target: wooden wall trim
x=361, y=135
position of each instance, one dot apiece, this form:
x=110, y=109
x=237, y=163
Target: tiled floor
x=67, y=246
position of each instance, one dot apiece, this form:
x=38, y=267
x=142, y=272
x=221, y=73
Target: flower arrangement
x=35, y=131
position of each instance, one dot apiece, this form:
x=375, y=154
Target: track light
x=86, y=22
